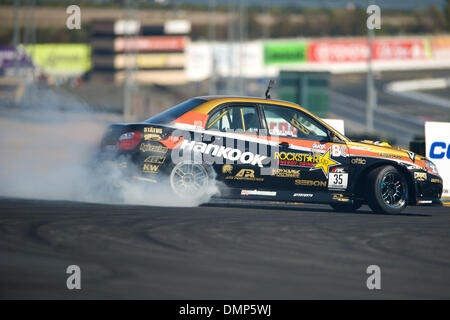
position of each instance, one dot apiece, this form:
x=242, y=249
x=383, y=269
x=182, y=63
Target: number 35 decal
x=338, y=181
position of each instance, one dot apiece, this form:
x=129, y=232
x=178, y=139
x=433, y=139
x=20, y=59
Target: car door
x=237, y=126
x=307, y=159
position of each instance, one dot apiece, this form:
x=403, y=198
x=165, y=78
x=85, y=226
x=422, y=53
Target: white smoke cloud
x=47, y=144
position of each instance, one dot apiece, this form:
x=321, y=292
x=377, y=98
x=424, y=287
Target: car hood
x=384, y=149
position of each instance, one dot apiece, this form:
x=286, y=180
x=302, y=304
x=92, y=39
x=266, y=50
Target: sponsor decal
x=390, y=155
x=284, y=52
x=338, y=151
x=303, y=195
x=415, y=167
x=319, y=146
x=147, y=147
x=412, y=156
x=152, y=137
x=338, y=181
x=425, y=201
x=245, y=174
x=325, y=162
x=363, y=148
x=227, y=168
x=224, y=152
x=358, y=161
x=436, y=181
x=286, y=173
x=338, y=170
x=420, y=176
x=150, y=168
x=439, y=150
x=155, y=159
x=313, y=161
x=258, y=193
x=310, y=183
x=153, y=130
x=340, y=197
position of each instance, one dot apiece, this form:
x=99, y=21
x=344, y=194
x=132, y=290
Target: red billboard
x=331, y=51
x=150, y=44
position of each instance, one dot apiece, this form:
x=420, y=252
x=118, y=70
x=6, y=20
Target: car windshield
x=175, y=112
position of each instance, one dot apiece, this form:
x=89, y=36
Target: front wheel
x=387, y=191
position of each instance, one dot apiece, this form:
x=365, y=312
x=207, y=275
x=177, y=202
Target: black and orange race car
x=263, y=149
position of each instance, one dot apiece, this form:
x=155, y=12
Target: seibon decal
x=223, y=152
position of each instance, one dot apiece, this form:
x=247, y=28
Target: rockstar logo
x=324, y=162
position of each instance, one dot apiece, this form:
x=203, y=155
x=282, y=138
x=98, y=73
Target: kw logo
x=150, y=168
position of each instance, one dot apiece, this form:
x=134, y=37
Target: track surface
x=218, y=252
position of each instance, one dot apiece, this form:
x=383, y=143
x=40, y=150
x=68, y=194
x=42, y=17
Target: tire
x=192, y=181
x=346, y=207
x=387, y=190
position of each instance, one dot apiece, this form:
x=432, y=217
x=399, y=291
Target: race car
x=263, y=149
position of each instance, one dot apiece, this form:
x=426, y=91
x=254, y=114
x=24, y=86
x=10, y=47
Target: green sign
x=63, y=59
x=284, y=52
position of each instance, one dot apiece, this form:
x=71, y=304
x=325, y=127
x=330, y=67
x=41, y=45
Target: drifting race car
x=262, y=149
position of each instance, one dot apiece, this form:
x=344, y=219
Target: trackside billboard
x=437, y=144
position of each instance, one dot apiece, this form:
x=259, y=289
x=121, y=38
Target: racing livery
x=263, y=149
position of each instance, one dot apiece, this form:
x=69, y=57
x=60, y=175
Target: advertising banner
x=357, y=50
x=150, y=60
x=8, y=58
x=398, y=49
x=62, y=59
x=161, y=77
x=285, y=52
x=440, y=47
x=157, y=43
x=199, y=61
x=437, y=146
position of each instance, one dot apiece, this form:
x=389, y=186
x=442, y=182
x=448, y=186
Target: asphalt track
x=220, y=252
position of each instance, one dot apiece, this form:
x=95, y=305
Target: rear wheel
x=190, y=180
x=387, y=191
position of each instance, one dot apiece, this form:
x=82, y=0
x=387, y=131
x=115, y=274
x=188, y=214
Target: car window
x=243, y=118
x=175, y=112
x=288, y=122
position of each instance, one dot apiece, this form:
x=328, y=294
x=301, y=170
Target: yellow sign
x=61, y=59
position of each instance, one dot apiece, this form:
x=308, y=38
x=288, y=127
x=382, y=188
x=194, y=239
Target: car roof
x=214, y=101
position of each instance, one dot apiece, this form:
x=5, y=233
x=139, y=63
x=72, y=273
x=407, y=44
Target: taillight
x=129, y=140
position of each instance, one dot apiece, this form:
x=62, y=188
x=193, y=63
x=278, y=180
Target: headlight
x=432, y=166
